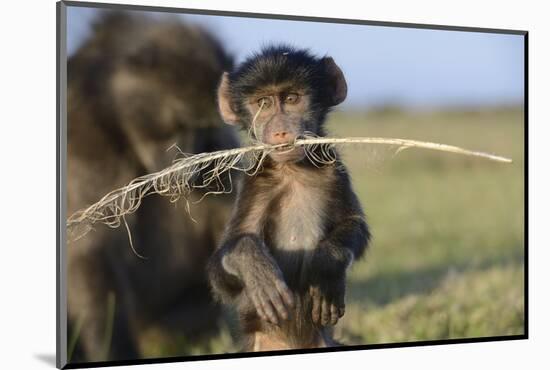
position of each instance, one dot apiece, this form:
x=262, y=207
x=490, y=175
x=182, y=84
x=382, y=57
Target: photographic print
x=240, y=184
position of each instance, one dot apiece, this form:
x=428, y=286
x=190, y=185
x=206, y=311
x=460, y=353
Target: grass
x=447, y=255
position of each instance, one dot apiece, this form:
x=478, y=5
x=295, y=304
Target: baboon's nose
x=280, y=137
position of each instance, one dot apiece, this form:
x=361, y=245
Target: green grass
x=447, y=255
x=446, y=260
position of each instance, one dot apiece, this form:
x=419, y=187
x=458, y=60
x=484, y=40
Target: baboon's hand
x=328, y=304
x=270, y=295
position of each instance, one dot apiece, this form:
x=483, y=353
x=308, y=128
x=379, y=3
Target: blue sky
x=413, y=67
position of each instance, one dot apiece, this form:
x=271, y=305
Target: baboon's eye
x=265, y=101
x=292, y=98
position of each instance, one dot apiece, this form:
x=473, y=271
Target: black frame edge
x=224, y=356
x=290, y=17
x=526, y=185
x=61, y=277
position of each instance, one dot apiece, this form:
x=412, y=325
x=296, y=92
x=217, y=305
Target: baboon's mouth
x=285, y=148
x=287, y=153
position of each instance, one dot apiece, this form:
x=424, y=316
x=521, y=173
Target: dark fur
x=136, y=87
x=272, y=66
x=249, y=262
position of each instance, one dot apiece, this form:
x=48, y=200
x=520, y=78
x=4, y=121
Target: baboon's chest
x=299, y=221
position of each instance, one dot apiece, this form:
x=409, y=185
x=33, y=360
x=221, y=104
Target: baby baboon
x=135, y=88
x=297, y=224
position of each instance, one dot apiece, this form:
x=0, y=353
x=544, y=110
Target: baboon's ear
x=224, y=102
x=337, y=81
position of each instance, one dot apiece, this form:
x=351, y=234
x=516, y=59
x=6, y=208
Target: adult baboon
x=136, y=87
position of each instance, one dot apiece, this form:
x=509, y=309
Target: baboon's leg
x=97, y=303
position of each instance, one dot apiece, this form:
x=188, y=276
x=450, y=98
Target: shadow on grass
x=390, y=286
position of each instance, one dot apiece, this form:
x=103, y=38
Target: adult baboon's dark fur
x=136, y=87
